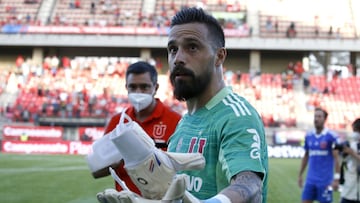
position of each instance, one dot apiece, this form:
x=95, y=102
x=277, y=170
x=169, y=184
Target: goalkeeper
x=219, y=124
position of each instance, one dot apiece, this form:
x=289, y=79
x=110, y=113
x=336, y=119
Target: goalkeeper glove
x=150, y=169
x=125, y=196
x=154, y=175
x=174, y=195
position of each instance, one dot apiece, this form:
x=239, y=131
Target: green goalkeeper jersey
x=229, y=133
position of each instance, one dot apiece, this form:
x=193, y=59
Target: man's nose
x=179, y=58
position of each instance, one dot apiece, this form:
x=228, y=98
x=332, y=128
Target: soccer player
x=219, y=123
x=322, y=158
x=350, y=192
x=157, y=119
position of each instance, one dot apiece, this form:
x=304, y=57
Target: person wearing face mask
x=158, y=120
x=350, y=192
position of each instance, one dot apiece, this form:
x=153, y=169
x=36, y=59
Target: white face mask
x=140, y=100
x=355, y=136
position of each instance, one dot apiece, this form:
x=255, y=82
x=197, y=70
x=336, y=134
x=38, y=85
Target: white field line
x=42, y=169
x=43, y=158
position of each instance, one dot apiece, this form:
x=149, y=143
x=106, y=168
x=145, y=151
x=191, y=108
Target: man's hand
x=125, y=196
x=300, y=181
x=151, y=170
x=154, y=175
x=175, y=194
x=177, y=191
x=156, y=180
x=335, y=185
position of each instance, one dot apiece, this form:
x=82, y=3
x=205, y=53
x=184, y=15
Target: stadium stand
x=97, y=13
x=275, y=103
x=119, y=13
x=19, y=11
x=340, y=96
x=276, y=17
x=92, y=86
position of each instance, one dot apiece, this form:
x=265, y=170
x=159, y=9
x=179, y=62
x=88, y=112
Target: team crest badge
x=323, y=144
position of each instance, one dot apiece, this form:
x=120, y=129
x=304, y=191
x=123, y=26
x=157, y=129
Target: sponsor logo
x=318, y=153
x=193, y=183
x=255, y=146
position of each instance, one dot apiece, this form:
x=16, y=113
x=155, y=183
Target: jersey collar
x=323, y=132
x=218, y=97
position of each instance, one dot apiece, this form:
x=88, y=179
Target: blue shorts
x=321, y=193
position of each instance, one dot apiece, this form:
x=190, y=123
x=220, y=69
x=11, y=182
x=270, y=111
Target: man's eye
x=193, y=47
x=131, y=87
x=142, y=87
x=172, y=50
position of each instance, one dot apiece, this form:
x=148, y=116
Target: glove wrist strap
x=219, y=198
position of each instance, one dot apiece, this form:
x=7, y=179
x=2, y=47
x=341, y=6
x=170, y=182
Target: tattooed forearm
x=245, y=187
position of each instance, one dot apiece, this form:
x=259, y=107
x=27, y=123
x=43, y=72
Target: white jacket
x=351, y=188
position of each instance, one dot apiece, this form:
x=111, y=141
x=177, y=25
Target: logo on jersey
x=323, y=144
x=193, y=183
x=197, y=145
x=255, y=146
x=238, y=106
x=159, y=131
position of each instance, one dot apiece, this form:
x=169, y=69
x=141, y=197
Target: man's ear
x=220, y=56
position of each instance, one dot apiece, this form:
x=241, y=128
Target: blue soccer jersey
x=321, y=160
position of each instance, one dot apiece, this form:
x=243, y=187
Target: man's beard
x=187, y=89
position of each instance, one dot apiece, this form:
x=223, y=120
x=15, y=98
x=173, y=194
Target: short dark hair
x=141, y=67
x=356, y=125
x=322, y=110
x=193, y=14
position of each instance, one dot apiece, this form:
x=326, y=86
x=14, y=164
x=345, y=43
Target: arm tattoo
x=246, y=187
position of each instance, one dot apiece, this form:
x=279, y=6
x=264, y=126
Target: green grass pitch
x=67, y=179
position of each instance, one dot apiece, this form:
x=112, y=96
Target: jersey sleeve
x=243, y=146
